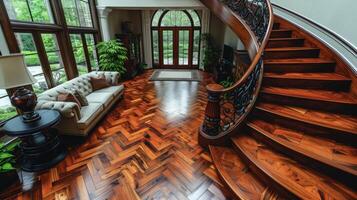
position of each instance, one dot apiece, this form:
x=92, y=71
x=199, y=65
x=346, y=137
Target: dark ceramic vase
x=25, y=100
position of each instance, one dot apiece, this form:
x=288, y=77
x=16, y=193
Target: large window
x=6, y=109
x=32, y=60
x=78, y=50
x=53, y=35
x=38, y=11
x=84, y=52
x=77, y=13
x=176, y=38
x=54, y=58
x=92, y=51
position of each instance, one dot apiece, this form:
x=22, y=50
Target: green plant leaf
x=4, y=155
x=6, y=167
x=14, y=144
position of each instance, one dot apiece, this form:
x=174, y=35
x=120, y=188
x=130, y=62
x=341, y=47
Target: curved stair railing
x=252, y=21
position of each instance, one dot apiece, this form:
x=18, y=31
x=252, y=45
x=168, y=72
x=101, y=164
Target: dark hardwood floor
x=145, y=148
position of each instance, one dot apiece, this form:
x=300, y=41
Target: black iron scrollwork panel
x=235, y=103
x=255, y=14
x=231, y=105
x=226, y=108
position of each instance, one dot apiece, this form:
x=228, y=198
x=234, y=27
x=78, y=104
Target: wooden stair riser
x=281, y=33
x=299, y=67
x=307, y=160
x=342, y=85
x=329, y=106
x=285, y=42
x=292, y=53
x=300, y=125
x=276, y=26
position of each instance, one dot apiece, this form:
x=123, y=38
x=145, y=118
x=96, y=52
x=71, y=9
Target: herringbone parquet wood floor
x=145, y=148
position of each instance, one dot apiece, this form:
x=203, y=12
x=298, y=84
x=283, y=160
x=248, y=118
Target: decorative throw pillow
x=68, y=97
x=81, y=97
x=99, y=82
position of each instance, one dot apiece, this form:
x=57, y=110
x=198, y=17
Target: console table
x=41, y=148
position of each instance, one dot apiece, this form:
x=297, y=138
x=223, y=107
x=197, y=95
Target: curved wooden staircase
x=299, y=142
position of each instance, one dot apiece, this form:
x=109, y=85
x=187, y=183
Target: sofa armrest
x=113, y=77
x=67, y=109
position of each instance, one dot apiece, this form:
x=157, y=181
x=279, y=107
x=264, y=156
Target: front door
x=176, y=47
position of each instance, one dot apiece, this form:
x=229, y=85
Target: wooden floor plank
x=145, y=148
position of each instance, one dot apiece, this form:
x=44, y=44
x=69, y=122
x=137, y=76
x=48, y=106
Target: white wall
x=230, y=38
x=150, y=3
x=3, y=46
x=116, y=17
x=339, y=16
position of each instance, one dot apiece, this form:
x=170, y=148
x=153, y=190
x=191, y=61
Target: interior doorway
x=176, y=39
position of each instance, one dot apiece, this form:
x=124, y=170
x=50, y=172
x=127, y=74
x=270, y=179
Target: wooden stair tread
x=298, y=61
x=298, y=179
x=308, y=76
x=340, y=122
x=236, y=174
x=291, y=38
x=319, y=95
x=281, y=33
x=290, y=49
x=328, y=151
x=281, y=30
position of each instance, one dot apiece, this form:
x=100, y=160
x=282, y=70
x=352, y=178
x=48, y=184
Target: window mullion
x=45, y=64
x=86, y=53
x=28, y=7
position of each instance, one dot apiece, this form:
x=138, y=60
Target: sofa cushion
x=99, y=82
x=114, y=90
x=69, y=97
x=104, y=98
x=89, y=114
x=81, y=97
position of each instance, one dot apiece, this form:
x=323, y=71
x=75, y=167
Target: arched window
x=176, y=38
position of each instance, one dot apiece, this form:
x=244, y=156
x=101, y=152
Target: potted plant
x=211, y=53
x=142, y=67
x=8, y=173
x=112, y=56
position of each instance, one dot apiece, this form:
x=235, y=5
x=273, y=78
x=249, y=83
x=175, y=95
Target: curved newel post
x=211, y=125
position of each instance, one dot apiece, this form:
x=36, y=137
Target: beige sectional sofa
x=76, y=121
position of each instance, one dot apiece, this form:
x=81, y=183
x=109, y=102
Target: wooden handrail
x=227, y=108
x=257, y=57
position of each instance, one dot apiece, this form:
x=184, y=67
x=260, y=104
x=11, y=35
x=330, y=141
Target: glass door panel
x=183, y=45
x=196, y=47
x=155, y=47
x=168, y=47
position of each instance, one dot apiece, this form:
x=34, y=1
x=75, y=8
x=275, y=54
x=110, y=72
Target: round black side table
x=41, y=148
